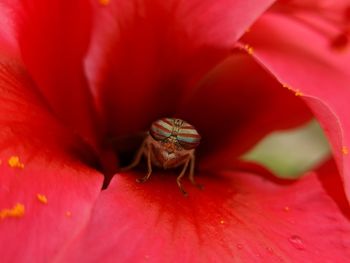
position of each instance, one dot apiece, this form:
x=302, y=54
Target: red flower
x=62, y=129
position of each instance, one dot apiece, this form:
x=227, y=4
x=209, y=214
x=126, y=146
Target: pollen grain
x=104, y=2
x=17, y=211
x=249, y=49
x=345, y=150
x=14, y=162
x=298, y=93
x=42, y=198
x=68, y=213
x=285, y=85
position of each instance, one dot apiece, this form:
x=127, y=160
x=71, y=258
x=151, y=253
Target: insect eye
x=161, y=129
x=185, y=134
x=188, y=137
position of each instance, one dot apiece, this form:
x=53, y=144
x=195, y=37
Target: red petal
x=46, y=191
x=146, y=53
x=238, y=217
x=303, y=60
x=236, y=104
x=53, y=38
x=8, y=43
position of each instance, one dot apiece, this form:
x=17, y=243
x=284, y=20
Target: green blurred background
x=291, y=153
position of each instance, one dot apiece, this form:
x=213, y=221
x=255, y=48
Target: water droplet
x=297, y=242
x=239, y=246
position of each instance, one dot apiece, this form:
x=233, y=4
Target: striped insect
x=170, y=143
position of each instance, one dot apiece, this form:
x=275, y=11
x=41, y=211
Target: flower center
x=323, y=17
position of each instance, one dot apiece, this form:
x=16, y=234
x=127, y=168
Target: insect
x=170, y=143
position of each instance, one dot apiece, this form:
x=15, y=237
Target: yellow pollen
x=104, y=2
x=42, y=198
x=249, y=49
x=286, y=208
x=68, y=213
x=285, y=85
x=14, y=162
x=16, y=211
x=222, y=222
x=298, y=93
x=345, y=150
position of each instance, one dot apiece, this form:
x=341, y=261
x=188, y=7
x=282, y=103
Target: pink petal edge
x=303, y=62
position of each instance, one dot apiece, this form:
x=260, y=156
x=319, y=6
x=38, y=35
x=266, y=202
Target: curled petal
x=235, y=105
x=302, y=60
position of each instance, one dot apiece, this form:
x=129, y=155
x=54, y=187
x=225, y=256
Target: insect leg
x=191, y=175
x=137, y=158
x=149, y=167
x=178, y=179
